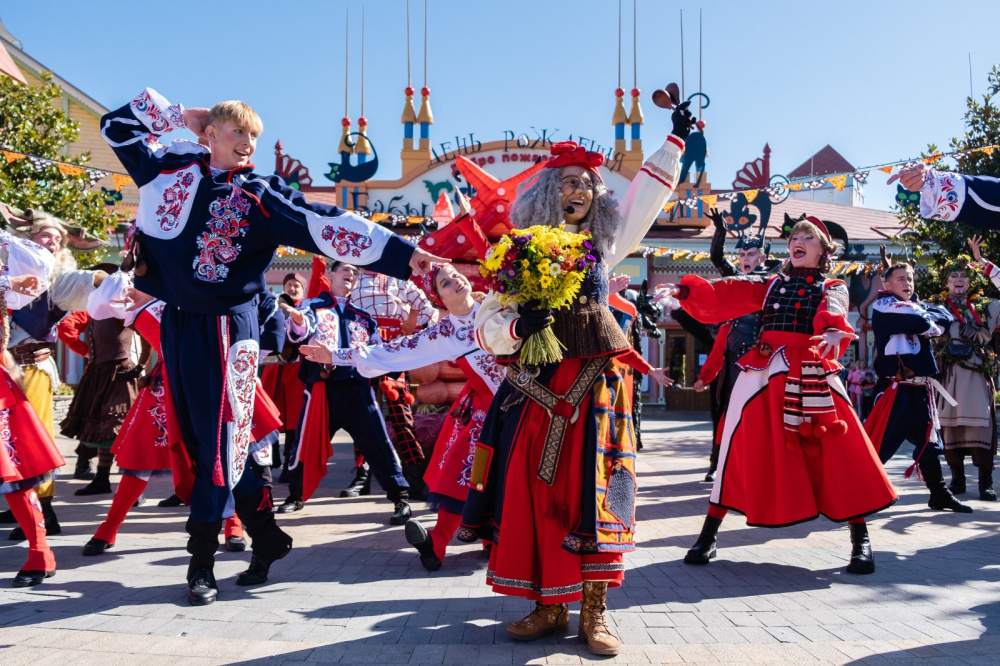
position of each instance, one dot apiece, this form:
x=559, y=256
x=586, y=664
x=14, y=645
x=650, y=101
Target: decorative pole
x=635, y=112
x=426, y=116
x=345, y=142
x=362, y=148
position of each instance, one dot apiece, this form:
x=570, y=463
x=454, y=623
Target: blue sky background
x=876, y=80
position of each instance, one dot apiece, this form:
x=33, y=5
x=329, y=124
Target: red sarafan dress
x=792, y=447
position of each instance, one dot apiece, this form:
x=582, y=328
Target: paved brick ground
x=353, y=592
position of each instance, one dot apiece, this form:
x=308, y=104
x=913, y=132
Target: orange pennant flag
x=932, y=158
x=750, y=195
x=710, y=200
x=13, y=157
x=120, y=181
x=988, y=150
x=69, y=169
x=838, y=182
x=886, y=169
x=794, y=186
x=670, y=206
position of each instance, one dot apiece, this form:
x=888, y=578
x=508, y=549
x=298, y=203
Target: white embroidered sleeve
x=156, y=113
x=23, y=257
x=441, y=342
x=108, y=300
x=495, y=326
x=992, y=272
x=4, y=283
x=645, y=198
x=942, y=196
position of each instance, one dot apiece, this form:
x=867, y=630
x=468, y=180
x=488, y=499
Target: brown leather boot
x=593, y=626
x=543, y=620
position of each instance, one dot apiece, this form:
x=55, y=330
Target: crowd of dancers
x=537, y=463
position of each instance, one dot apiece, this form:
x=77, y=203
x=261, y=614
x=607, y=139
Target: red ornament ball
x=346, y=122
x=636, y=92
x=408, y=92
x=425, y=91
x=362, y=122
x=701, y=124
x=619, y=92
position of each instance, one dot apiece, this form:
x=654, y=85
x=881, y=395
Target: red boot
x=129, y=490
x=41, y=562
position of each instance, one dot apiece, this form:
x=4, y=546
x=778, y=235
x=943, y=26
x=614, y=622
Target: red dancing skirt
x=26, y=448
x=143, y=443
x=282, y=384
x=776, y=482
x=531, y=560
x=451, y=463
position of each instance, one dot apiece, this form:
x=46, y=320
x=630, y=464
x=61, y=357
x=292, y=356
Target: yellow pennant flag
x=988, y=150
x=670, y=206
x=680, y=254
x=710, y=200
x=836, y=269
x=933, y=158
x=794, y=186
x=120, y=181
x=750, y=195
x=69, y=169
x=660, y=251
x=886, y=169
x=838, y=182
x=701, y=256
x=13, y=157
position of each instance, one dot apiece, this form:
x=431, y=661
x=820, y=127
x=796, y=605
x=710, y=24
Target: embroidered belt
x=562, y=410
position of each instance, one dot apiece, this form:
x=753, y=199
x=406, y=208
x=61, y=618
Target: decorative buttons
x=430, y=241
x=583, y=299
x=777, y=306
x=501, y=191
x=500, y=208
x=461, y=238
x=802, y=292
x=798, y=306
x=809, y=279
x=782, y=290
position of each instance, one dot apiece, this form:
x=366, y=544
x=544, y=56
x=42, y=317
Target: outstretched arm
x=947, y=196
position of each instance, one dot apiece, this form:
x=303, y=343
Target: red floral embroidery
x=358, y=333
x=8, y=438
x=159, y=411
x=159, y=119
x=243, y=371
x=217, y=248
x=346, y=242
x=174, y=198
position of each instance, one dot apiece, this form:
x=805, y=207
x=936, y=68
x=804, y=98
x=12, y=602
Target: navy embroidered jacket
x=974, y=200
x=337, y=326
x=207, y=240
x=904, y=328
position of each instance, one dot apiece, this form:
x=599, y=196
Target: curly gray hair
x=539, y=201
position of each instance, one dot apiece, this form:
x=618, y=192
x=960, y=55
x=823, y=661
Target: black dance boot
x=203, y=540
x=704, y=548
x=862, y=560
x=171, y=501
x=986, y=492
x=83, y=470
x=268, y=541
x=941, y=498
x=710, y=476
x=418, y=537
x=361, y=484
x=101, y=485
x=294, y=501
x=957, y=486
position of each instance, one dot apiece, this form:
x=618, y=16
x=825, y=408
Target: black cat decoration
x=353, y=173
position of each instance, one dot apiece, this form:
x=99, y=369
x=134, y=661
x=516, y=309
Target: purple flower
x=511, y=272
x=591, y=259
x=522, y=240
x=580, y=264
x=587, y=245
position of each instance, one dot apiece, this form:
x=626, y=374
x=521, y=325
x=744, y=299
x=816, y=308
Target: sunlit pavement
x=352, y=591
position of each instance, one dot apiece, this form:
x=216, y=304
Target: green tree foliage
x=941, y=241
x=32, y=122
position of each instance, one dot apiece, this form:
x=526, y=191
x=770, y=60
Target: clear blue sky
x=876, y=80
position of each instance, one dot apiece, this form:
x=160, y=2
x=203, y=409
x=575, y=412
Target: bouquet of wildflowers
x=540, y=263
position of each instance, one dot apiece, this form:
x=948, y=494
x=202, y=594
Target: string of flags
x=838, y=180
x=842, y=268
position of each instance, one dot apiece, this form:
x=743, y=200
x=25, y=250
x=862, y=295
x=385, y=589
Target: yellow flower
x=544, y=281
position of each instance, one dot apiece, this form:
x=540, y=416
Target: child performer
x=904, y=395
x=792, y=446
x=451, y=339
x=28, y=456
x=207, y=229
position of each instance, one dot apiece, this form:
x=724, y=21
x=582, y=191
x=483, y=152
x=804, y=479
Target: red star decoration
x=494, y=197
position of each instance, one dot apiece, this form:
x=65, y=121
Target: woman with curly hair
x=553, y=482
x=792, y=446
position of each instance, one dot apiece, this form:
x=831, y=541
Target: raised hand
x=911, y=177
x=682, y=120
x=196, y=120
x=296, y=316
x=617, y=282
x=976, y=243
x=421, y=260
x=28, y=285
x=717, y=219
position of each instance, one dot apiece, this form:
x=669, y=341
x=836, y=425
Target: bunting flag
x=40, y=162
x=120, y=181
x=94, y=175
x=12, y=157
x=69, y=169
x=837, y=180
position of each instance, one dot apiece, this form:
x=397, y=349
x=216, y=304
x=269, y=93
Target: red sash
x=314, y=440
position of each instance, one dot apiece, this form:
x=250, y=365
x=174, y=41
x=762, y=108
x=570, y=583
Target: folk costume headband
x=426, y=283
x=570, y=153
x=819, y=225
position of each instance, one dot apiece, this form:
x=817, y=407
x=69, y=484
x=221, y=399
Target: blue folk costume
x=206, y=237
x=339, y=397
x=905, y=407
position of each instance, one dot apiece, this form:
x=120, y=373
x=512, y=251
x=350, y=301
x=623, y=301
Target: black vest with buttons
x=793, y=301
